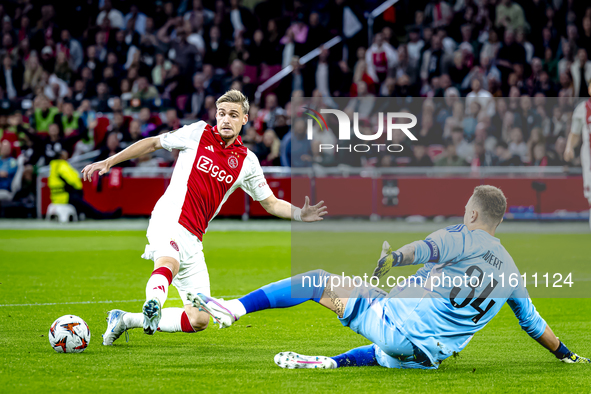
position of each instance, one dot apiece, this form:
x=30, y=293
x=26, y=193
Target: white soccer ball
x=69, y=334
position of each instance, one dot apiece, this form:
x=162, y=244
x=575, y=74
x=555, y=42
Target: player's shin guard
x=157, y=286
x=287, y=292
x=175, y=320
x=363, y=356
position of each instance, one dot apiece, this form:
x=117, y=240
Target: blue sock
x=363, y=356
x=561, y=352
x=287, y=292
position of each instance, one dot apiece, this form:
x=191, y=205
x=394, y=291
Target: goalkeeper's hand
x=565, y=355
x=573, y=358
x=383, y=267
x=388, y=259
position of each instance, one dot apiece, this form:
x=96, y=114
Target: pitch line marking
x=98, y=302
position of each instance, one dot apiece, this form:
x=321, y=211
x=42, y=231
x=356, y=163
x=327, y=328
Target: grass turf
x=65, y=266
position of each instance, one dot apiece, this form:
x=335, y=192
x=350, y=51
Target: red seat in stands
x=252, y=73
x=101, y=129
x=181, y=101
x=268, y=71
x=127, y=121
x=155, y=119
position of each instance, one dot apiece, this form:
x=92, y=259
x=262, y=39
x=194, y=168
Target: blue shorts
x=364, y=314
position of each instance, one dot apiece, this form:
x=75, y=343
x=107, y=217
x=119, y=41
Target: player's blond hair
x=236, y=97
x=491, y=202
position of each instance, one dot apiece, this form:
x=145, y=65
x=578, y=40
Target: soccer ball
x=69, y=334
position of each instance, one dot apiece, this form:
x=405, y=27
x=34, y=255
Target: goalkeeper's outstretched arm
x=556, y=347
x=140, y=148
x=532, y=323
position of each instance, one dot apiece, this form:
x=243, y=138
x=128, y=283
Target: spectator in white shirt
x=481, y=96
x=114, y=16
x=414, y=46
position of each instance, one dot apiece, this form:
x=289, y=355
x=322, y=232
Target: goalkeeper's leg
x=314, y=286
x=359, y=357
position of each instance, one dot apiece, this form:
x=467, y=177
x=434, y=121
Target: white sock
x=236, y=307
x=171, y=320
x=133, y=320
x=157, y=287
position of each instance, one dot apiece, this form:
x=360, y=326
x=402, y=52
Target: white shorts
x=177, y=242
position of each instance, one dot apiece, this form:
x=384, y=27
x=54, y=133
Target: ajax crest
x=233, y=162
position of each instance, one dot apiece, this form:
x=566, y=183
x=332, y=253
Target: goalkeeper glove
x=566, y=356
x=573, y=358
x=390, y=260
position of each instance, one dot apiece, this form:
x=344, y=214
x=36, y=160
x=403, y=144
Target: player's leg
x=314, y=285
x=187, y=319
x=364, y=314
x=165, y=268
x=164, y=252
x=363, y=356
x=192, y=276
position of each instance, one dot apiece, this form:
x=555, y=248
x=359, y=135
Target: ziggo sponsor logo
x=205, y=164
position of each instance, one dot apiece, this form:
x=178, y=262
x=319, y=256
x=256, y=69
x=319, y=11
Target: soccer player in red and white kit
x=581, y=130
x=212, y=163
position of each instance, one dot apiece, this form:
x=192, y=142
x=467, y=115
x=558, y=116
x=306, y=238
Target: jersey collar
x=237, y=142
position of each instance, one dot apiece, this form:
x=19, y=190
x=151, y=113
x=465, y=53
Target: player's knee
x=169, y=263
x=199, y=321
x=317, y=278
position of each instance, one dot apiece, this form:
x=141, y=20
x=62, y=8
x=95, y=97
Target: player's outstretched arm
x=140, y=148
x=532, y=323
x=284, y=210
x=557, y=348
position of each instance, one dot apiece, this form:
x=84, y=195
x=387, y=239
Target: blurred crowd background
x=98, y=75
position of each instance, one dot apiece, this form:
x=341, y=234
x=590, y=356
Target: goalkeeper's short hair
x=492, y=203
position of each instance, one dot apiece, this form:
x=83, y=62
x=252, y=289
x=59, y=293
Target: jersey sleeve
x=255, y=184
x=441, y=246
x=182, y=138
x=525, y=311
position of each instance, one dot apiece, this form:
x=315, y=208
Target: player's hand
x=101, y=166
x=569, y=154
x=574, y=358
x=383, y=267
x=313, y=213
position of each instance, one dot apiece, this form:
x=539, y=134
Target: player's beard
x=227, y=138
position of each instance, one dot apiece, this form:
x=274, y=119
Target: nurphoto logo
x=344, y=133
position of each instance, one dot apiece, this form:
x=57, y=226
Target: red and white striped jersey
x=205, y=175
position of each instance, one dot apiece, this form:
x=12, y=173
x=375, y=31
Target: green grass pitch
x=59, y=267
